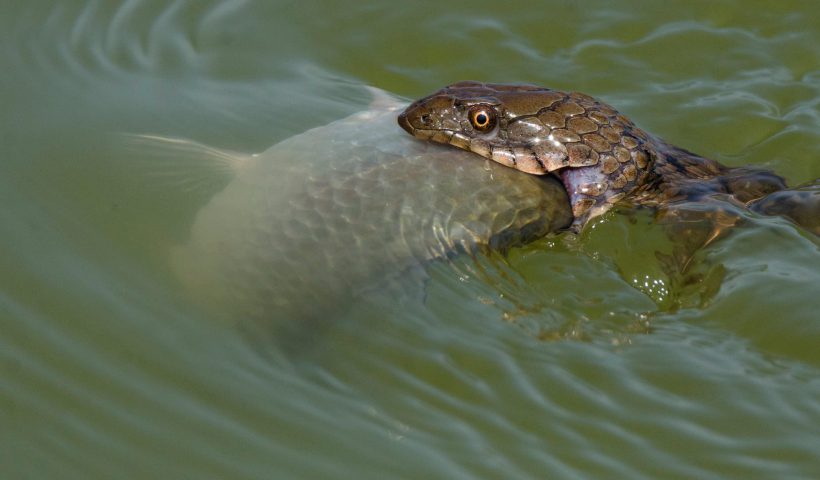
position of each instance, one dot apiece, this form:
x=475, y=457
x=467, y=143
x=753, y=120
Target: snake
x=601, y=156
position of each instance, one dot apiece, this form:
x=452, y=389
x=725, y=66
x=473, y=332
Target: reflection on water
x=578, y=356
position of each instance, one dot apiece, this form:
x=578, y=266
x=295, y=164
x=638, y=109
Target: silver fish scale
x=318, y=217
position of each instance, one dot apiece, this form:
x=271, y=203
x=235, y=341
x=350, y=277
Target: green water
x=567, y=358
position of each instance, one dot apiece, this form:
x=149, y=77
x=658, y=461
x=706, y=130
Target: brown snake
x=600, y=155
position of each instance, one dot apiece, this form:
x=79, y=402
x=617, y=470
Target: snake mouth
x=405, y=124
x=564, y=178
x=437, y=136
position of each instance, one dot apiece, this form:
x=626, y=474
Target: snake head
x=598, y=153
x=487, y=120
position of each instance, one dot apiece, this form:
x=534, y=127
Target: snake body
x=600, y=155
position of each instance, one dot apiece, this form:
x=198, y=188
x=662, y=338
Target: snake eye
x=482, y=117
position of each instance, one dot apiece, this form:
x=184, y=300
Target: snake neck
x=678, y=175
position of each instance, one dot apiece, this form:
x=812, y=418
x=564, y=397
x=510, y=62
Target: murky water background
x=568, y=358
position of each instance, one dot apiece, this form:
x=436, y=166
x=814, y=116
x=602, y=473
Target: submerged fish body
x=320, y=217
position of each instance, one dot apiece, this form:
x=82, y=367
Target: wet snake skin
x=599, y=154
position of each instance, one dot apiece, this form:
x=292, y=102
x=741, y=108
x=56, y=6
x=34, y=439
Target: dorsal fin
x=181, y=163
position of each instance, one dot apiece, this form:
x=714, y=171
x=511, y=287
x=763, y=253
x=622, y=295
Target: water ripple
x=134, y=36
x=547, y=360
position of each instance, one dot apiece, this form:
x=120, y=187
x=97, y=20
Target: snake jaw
x=588, y=192
x=404, y=123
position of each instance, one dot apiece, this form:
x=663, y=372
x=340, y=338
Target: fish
x=305, y=228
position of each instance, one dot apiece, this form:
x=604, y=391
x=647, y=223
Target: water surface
x=567, y=358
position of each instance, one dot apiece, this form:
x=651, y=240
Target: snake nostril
x=425, y=119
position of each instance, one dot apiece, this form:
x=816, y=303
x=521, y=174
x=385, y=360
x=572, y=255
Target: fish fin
x=384, y=100
x=182, y=164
